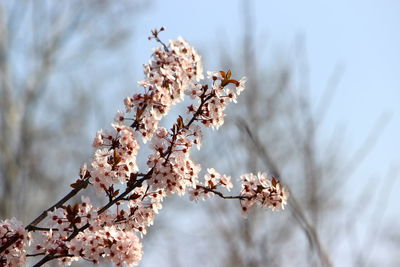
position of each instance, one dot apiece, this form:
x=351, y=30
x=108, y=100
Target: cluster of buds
x=114, y=231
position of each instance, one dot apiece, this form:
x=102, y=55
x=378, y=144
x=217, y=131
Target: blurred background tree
x=56, y=60
x=66, y=65
x=278, y=127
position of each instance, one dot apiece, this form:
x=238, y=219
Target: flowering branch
x=114, y=231
x=52, y=256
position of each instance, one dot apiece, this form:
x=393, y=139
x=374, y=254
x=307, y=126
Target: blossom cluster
x=104, y=236
x=256, y=189
x=173, y=169
x=113, y=232
x=211, y=113
x=115, y=157
x=213, y=180
x=14, y=255
x=169, y=74
x=262, y=190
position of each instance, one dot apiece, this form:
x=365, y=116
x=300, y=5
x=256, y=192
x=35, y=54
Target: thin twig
x=220, y=194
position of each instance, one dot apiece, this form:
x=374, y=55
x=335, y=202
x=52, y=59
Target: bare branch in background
x=280, y=132
x=46, y=50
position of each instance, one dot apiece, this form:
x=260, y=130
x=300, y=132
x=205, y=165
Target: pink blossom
x=82, y=230
x=14, y=255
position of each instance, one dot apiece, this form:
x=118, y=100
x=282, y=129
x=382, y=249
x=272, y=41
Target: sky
x=359, y=38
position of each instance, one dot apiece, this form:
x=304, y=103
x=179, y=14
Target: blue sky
x=362, y=38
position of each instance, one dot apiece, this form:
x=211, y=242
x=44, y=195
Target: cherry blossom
x=81, y=230
x=262, y=190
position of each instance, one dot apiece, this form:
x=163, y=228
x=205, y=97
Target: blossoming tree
x=70, y=232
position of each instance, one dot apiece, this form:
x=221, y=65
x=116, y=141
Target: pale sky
x=360, y=37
